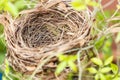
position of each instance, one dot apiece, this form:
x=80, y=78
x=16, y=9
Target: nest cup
x=39, y=35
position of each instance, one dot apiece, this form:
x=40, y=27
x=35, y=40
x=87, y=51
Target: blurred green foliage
x=15, y=6
x=104, y=42
x=104, y=70
x=83, y=4
x=2, y=45
x=66, y=61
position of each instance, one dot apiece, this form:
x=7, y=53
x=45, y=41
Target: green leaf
x=97, y=61
x=97, y=76
x=7, y=70
x=2, y=4
x=109, y=76
x=67, y=58
x=116, y=78
x=72, y=58
x=107, y=50
x=92, y=70
x=108, y=61
x=78, y=5
x=4, y=78
x=114, y=68
x=18, y=6
x=105, y=70
x=60, y=67
x=70, y=76
x=2, y=57
x=62, y=57
x=2, y=45
x=73, y=66
x=99, y=43
x=11, y=8
x=102, y=77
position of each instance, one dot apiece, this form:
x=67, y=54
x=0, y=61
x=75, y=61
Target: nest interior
x=46, y=28
x=36, y=35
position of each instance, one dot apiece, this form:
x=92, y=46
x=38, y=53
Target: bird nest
x=38, y=36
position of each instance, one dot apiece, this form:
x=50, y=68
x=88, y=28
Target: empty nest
x=37, y=36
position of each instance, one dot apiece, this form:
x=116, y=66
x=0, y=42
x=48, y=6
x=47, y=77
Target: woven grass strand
x=34, y=36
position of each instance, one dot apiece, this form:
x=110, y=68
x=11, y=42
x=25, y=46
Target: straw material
x=43, y=33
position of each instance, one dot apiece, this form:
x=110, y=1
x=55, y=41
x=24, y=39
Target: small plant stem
x=102, y=11
x=108, y=3
x=79, y=66
x=88, y=47
x=96, y=52
x=8, y=76
x=116, y=11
